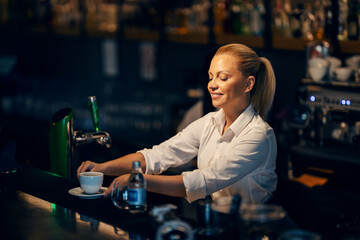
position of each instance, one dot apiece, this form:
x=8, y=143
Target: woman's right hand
x=119, y=182
x=89, y=166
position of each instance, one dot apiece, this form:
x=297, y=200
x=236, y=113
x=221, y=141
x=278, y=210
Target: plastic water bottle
x=136, y=189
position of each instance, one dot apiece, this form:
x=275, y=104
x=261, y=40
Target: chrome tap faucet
x=101, y=137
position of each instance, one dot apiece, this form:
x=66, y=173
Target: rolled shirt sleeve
x=195, y=185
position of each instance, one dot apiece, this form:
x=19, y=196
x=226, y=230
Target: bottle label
x=137, y=196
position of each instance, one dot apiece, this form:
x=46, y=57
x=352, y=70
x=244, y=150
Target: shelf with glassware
x=295, y=23
x=197, y=22
x=335, y=21
x=140, y=20
x=332, y=71
x=291, y=26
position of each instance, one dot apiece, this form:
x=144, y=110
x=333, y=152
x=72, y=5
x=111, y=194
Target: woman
x=235, y=147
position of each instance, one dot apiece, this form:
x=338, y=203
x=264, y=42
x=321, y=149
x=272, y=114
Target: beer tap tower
x=63, y=139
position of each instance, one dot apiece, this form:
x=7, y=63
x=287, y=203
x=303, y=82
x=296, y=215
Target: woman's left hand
x=119, y=182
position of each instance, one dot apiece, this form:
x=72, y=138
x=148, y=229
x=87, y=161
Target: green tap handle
x=94, y=112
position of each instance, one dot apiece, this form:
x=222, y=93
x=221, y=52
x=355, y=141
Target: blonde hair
x=262, y=94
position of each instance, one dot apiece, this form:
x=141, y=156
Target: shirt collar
x=238, y=125
x=218, y=120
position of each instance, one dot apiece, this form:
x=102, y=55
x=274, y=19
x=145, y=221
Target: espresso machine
x=63, y=139
x=328, y=114
x=325, y=131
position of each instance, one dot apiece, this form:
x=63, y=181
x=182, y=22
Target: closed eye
x=210, y=77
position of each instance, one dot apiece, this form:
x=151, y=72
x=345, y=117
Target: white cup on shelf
x=353, y=62
x=318, y=62
x=343, y=73
x=317, y=73
x=333, y=63
x=318, y=68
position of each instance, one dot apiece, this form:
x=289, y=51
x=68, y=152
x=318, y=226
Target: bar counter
x=35, y=204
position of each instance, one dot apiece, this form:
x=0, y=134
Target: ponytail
x=264, y=89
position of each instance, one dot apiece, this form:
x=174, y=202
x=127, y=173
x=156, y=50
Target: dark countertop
x=35, y=204
x=22, y=192
x=27, y=217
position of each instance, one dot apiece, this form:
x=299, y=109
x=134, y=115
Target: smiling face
x=228, y=87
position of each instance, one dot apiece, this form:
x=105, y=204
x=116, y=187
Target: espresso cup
x=91, y=182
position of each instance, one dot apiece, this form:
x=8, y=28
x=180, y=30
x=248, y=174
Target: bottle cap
x=136, y=164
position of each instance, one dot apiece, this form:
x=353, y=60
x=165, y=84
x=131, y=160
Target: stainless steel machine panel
x=319, y=96
x=328, y=113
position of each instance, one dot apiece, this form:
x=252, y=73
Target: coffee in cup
x=91, y=182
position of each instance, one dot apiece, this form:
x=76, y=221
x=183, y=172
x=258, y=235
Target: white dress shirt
x=241, y=161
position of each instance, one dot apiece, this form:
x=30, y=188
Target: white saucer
x=78, y=192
